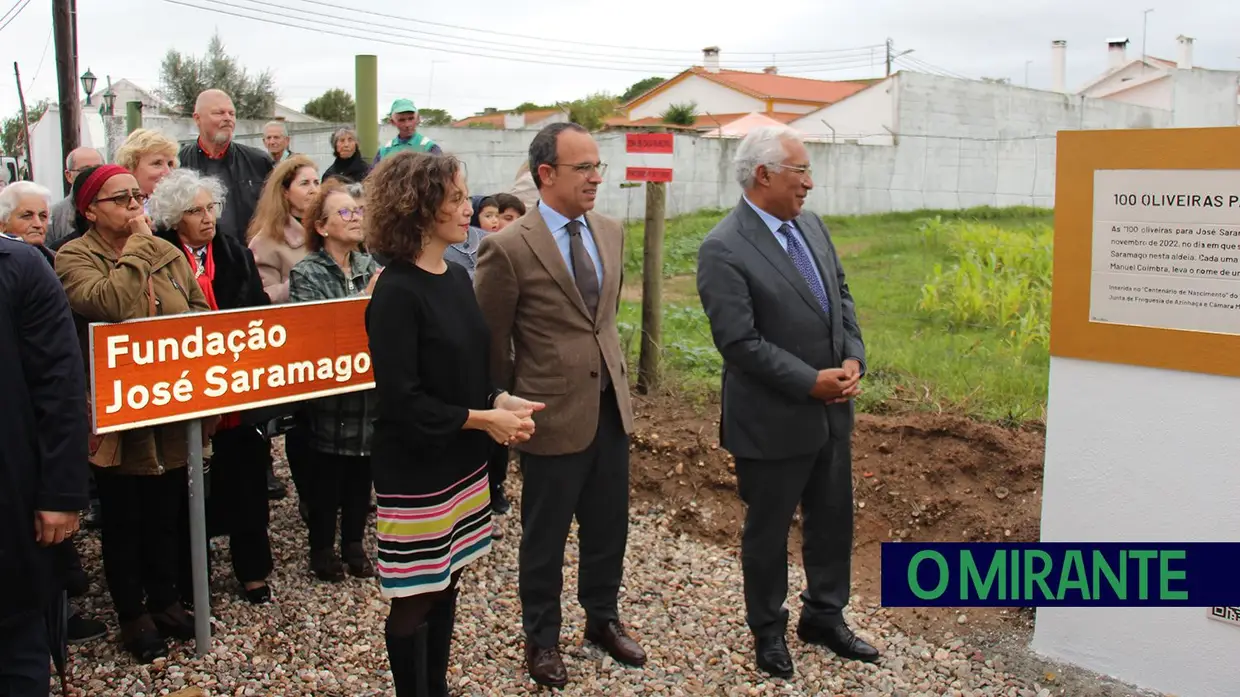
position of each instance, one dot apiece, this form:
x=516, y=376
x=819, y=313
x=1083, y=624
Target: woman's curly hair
x=404, y=197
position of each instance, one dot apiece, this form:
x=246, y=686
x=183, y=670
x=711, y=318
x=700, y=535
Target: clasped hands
x=512, y=419
x=838, y=385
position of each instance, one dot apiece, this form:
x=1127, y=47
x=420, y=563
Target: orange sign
x=163, y=369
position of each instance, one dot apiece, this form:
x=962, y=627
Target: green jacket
x=340, y=424
x=417, y=143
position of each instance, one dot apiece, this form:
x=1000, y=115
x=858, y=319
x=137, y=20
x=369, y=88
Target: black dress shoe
x=840, y=639
x=258, y=596
x=79, y=629
x=499, y=502
x=773, y=656
x=545, y=665
x=276, y=489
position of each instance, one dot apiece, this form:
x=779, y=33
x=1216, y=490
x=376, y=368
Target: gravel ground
x=682, y=600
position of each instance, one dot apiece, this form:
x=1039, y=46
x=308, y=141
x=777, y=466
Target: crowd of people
x=492, y=325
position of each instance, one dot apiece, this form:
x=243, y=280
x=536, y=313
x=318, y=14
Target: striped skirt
x=425, y=538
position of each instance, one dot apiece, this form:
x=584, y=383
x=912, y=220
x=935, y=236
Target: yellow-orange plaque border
x=1078, y=155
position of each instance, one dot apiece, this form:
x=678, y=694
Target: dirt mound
x=916, y=477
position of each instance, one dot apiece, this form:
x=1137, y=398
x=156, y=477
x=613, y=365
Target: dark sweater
x=429, y=346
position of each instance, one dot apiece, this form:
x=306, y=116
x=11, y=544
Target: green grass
x=919, y=358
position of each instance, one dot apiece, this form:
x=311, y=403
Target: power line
x=15, y=14
x=556, y=40
x=10, y=11
x=532, y=51
x=333, y=30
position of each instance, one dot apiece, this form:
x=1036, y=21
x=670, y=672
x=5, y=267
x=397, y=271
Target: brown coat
x=103, y=287
x=276, y=256
x=544, y=345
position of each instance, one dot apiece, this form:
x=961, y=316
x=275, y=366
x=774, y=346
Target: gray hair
x=343, y=130
x=543, y=147
x=175, y=194
x=283, y=128
x=13, y=193
x=762, y=147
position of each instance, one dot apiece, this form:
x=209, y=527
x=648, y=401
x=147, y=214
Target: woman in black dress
x=436, y=408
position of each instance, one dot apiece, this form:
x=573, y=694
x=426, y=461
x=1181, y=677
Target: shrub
x=1001, y=278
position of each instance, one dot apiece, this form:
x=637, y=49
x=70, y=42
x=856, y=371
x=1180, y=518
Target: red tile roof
x=496, y=120
x=776, y=87
x=703, y=121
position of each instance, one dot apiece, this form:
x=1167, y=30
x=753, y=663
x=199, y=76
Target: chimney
x=1186, y=52
x=710, y=58
x=1117, y=52
x=771, y=70
x=1059, y=52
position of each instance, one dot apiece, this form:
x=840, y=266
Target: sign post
x=650, y=158
x=184, y=368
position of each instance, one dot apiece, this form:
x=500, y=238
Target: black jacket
x=236, y=283
x=44, y=431
x=350, y=171
x=243, y=170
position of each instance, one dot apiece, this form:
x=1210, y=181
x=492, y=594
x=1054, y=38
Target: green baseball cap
x=401, y=106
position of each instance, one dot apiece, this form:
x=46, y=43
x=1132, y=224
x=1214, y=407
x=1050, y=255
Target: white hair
x=13, y=193
x=175, y=194
x=761, y=147
x=283, y=128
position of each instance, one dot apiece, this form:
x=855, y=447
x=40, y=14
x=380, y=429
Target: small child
x=510, y=208
x=488, y=215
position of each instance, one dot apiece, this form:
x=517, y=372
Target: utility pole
x=1145, y=23
x=366, y=105
x=66, y=79
x=21, y=99
x=652, y=287
x=889, y=57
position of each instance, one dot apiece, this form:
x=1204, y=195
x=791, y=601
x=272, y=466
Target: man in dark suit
x=783, y=319
x=549, y=287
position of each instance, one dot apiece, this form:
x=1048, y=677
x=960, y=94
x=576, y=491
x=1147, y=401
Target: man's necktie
x=584, y=272
x=805, y=265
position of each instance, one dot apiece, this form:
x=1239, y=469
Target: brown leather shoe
x=617, y=643
x=545, y=665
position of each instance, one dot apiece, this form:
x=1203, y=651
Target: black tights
x=409, y=613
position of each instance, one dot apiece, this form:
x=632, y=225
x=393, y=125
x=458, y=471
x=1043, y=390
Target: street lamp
x=88, y=84
x=109, y=100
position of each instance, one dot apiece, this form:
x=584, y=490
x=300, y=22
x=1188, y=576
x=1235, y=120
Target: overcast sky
x=576, y=48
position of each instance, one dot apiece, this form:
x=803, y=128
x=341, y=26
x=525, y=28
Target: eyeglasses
x=805, y=171
x=123, y=199
x=213, y=208
x=587, y=168
x=349, y=214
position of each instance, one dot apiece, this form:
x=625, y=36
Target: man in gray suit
x=783, y=319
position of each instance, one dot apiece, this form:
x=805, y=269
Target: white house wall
x=1155, y=94
x=1198, y=98
x=863, y=117
x=1133, y=71
x=711, y=97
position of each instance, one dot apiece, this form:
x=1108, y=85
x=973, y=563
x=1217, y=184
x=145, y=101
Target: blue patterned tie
x=805, y=265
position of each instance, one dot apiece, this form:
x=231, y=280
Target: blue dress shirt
x=558, y=225
x=774, y=224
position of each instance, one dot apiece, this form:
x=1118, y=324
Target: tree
x=529, y=106
x=680, y=114
x=591, y=112
x=184, y=77
x=12, y=133
x=639, y=88
x=334, y=105
x=434, y=117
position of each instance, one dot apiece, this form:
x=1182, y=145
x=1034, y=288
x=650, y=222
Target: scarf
x=204, y=272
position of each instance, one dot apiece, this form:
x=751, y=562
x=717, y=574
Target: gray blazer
x=60, y=222
x=774, y=336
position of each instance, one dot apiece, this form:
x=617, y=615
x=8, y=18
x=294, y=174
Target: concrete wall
x=958, y=143
x=867, y=117
x=1120, y=469
x=711, y=97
